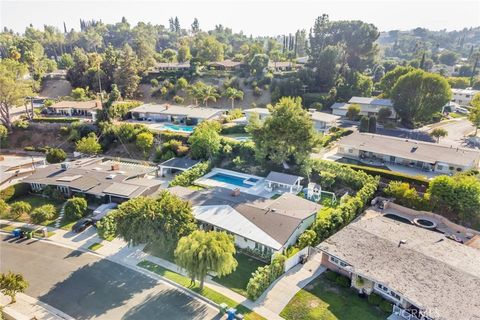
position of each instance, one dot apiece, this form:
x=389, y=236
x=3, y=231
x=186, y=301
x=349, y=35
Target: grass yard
x=37, y=233
x=95, y=246
x=238, y=280
x=38, y=201
x=323, y=299
x=206, y=292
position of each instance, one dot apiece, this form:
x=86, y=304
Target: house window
x=338, y=262
x=245, y=239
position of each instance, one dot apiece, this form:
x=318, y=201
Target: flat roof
x=411, y=149
x=429, y=270
x=258, y=110
x=226, y=63
x=324, y=117
x=372, y=101
x=81, y=105
x=176, y=110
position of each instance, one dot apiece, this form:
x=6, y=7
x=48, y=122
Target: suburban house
x=15, y=167
x=97, y=178
x=280, y=66
x=463, y=96
x=399, y=152
x=190, y=115
x=322, y=121
x=226, y=65
x=368, y=106
x=76, y=108
x=176, y=164
x=261, y=226
x=171, y=66
x=424, y=273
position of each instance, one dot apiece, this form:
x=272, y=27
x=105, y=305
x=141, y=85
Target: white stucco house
x=369, y=106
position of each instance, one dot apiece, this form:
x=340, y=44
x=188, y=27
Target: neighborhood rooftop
x=371, y=101
x=282, y=178
x=176, y=110
x=80, y=105
x=429, y=270
x=411, y=149
x=183, y=163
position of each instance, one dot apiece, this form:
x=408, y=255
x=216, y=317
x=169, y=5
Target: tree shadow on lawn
x=171, y=304
x=94, y=289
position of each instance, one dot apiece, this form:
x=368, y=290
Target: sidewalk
x=119, y=252
x=26, y=308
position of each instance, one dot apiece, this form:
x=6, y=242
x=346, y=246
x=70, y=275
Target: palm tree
x=196, y=91
x=233, y=94
x=209, y=94
x=439, y=133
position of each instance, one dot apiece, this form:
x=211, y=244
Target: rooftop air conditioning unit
x=65, y=166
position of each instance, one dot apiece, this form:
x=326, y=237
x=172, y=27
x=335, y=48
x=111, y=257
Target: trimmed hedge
x=239, y=128
x=390, y=175
x=54, y=120
x=187, y=177
x=14, y=191
x=263, y=277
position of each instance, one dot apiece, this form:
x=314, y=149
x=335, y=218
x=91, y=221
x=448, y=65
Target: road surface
x=458, y=130
x=87, y=287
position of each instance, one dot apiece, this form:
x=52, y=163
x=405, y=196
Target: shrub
x=386, y=306
x=43, y=213
x=239, y=128
x=107, y=226
x=374, y=299
x=187, y=177
x=4, y=208
x=14, y=191
x=145, y=141
x=264, y=276
x=317, y=106
x=343, y=281
x=56, y=155
x=178, y=99
x=391, y=175
x=75, y=208
x=257, y=92
x=21, y=124
x=64, y=131
x=405, y=195
x=167, y=136
x=17, y=209
x=55, y=120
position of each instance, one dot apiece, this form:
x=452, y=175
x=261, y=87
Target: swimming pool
x=178, y=128
x=237, y=181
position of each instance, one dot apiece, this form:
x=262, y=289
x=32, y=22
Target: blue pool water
x=237, y=181
x=178, y=128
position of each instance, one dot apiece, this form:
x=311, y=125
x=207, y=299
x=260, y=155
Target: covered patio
x=177, y=164
x=283, y=182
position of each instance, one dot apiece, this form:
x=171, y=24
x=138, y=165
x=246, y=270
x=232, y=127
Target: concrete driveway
x=87, y=287
x=458, y=130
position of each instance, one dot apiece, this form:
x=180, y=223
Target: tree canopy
x=11, y=284
x=205, y=142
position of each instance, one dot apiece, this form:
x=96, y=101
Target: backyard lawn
x=323, y=299
x=238, y=280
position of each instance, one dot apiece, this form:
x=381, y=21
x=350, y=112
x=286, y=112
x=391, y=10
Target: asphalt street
x=87, y=287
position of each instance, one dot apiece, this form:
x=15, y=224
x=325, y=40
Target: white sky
x=262, y=17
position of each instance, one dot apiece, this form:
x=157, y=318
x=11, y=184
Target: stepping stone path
x=60, y=216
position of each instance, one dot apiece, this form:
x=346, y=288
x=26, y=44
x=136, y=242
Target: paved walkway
x=285, y=287
x=30, y=309
x=118, y=251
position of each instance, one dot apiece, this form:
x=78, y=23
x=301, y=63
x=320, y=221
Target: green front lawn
x=206, y=292
x=38, y=201
x=238, y=280
x=323, y=299
x=95, y=246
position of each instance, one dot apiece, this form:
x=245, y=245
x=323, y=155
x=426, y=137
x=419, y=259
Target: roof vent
x=111, y=176
x=64, y=166
x=402, y=242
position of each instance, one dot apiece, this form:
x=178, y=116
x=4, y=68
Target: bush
x=21, y=124
x=17, y=209
x=386, y=306
x=54, y=120
x=239, y=128
x=187, y=177
x=391, y=175
x=178, y=99
x=56, y=155
x=14, y=191
x=4, y=208
x=374, y=299
x=75, y=208
x=264, y=276
x=107, y=226
x=167, y=136
x=43, y=213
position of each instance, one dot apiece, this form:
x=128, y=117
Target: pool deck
x=160, y=126
x=258, y=189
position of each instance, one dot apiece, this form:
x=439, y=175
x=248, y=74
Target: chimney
x=166, y=106
x=115, y=167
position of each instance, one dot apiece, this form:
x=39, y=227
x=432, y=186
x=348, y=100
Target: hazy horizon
x=259, y=18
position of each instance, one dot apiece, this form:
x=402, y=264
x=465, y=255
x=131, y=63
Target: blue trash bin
x=231, y=314
x=16, y=233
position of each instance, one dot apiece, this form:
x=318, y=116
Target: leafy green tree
x=364, y=124
x=202, y=252
x=43, y=213
x=438, y=133
x=384, y=114
x=417, y=95
x=353, y=111
x=4, y=208
x=126, y=76
x=195, y=26
x=182, y=83
x=458, y=195
x=474, y=115
x=233, y=94
x=405, y=195
x=448, y=57
x=205, y=142
x=88, y=145
x=13, y=88
x=19, y=208
x=307, y=239
x=145, y=141
x=75, y=208
x=145, y=220
x=56, y=155
x=207, y=48
x=372, y=124
x=79, y=94
x=390, y=79
x=3, y=133
x=258, y=64
x=11, y=284
x=196, y=91
x=169, y=54
x=287, y=134
x=65, y=62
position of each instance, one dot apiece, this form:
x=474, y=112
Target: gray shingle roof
x=428, y=270
x=371, y=100
x=181, y=163
x=283, y=178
